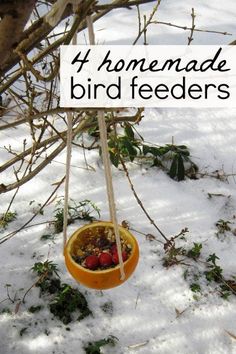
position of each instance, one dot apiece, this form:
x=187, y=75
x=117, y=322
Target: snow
x=121, y=27
x=146, y=307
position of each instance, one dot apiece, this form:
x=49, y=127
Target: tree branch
x=40, y=29
x=15, y=15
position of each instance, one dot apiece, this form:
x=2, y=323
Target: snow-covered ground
x=147, y=309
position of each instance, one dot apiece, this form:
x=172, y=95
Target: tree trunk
x=14, y=16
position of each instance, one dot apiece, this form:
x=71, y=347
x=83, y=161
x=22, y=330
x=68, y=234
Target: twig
x=231, y=334
x=152, y=237
x=55, y=138
x=127, y=4
x=6, y=188
x=145, y=31
x=58, y=110
x=139, y=20
x=9, y=297
x=133, y=190
x=88, y=167
x=190, y=38
x=186, y=28
x=223, y=280
x=139, y=201
x=10, y=235
x=136, y=302
x=29, y=67
x=44, y=275
x=46, y=161
x=40, y=29
x=155, y=8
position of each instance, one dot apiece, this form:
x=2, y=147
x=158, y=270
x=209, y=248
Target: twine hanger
x=106, y=163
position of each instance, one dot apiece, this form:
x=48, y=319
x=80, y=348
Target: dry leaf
x=17, y=307
x=138, y=345
x=125, y=224
x=178, y=312
x=150, y=237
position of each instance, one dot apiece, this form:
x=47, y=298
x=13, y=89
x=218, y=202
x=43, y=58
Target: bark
x=14, y=16
x=29, y=38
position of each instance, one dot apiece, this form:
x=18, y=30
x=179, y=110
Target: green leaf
x=181, y=170
x=212, y=258
x=155, y=151
x=67, y=301
x=132, y=152
x=195, y=287
x=173, y=167
x=47, y=237
x=195, y=251
x=182, y=147
x=184, y=153
x=164, y=149
x=34, y=309
x=146, y=149
x=114, y=159
x=129, y=131
x=156, y=162
x=94, y=347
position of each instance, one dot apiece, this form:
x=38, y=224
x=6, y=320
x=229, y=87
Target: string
x=107, y=165
x=106, y=162
x=68, y=165
x=67, y=180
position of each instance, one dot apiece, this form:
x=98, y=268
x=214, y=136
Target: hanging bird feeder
x=103, y=278
x=112, y=264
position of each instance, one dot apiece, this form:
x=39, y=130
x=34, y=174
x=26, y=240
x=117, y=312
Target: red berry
x=115, y=257
x=92, y=262
x=113, y=248
x=124, y=256
x=105, y=259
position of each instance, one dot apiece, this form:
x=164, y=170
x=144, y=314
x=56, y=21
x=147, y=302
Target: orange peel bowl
x=100, y=279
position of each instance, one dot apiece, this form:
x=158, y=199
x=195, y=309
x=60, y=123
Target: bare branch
x=147, y=22
x=190, y=38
